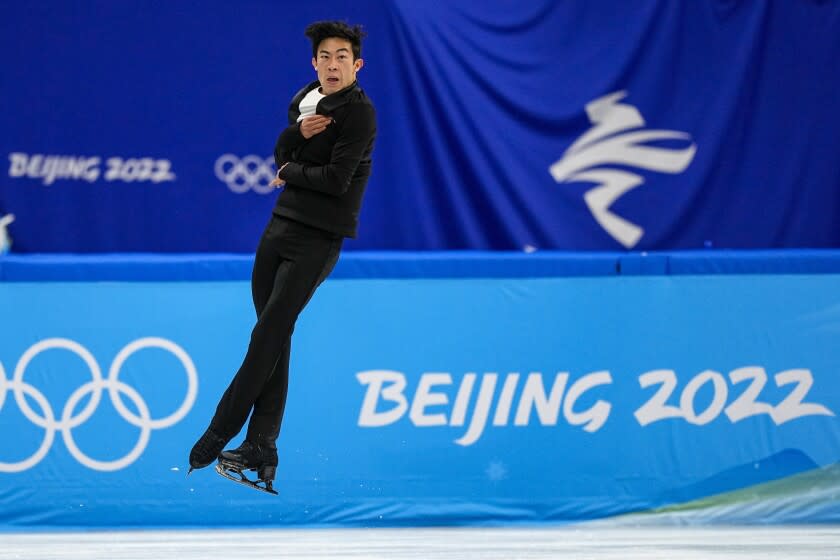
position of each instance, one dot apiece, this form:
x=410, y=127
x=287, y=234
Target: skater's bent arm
x=356, y=134
x=295, y=135
x=288, y=140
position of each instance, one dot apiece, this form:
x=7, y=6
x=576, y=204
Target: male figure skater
x=324, y=159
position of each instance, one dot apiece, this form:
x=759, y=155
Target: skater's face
x=335, y=65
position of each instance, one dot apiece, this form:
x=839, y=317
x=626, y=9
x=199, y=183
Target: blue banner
x=502, y=125
x=468, y=401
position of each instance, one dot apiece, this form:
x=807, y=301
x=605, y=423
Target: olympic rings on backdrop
x=249, y=173
x=115, y=387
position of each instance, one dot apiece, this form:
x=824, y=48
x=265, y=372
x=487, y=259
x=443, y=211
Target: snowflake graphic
x=496, y=470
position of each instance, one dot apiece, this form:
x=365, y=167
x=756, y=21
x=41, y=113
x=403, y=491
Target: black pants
x=291, y=262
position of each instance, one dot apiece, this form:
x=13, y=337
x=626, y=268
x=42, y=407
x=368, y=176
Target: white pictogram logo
x=5, y=238
x=245, y=174
x=68, y=420
x=600, y=146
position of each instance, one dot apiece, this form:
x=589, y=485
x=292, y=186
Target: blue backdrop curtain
x=148, y=126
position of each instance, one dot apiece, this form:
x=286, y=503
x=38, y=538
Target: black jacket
x=327, y=174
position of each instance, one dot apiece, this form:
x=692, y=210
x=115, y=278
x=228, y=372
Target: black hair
x=321, y=30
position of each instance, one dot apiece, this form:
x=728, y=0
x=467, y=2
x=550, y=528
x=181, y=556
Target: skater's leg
x=262, y=354
x=291, y=255
x=294, y=284
x=264, y=425
x=266, y=262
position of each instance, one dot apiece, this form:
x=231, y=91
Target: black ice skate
x=250, y=457
x=206, y=450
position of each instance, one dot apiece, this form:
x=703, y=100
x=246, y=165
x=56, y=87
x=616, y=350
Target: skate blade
x=236, y=475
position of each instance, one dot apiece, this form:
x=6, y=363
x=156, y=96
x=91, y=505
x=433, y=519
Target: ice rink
x=731, y=543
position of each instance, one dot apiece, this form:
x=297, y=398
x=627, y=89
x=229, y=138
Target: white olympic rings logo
x=242, y=175
x=69, y=421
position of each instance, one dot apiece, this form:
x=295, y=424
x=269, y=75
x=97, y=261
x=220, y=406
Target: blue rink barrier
x=430, y=389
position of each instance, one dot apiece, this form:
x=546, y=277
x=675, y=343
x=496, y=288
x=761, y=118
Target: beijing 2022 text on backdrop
x=643, y=124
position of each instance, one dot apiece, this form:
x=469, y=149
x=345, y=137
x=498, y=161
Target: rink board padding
x=429, y=396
